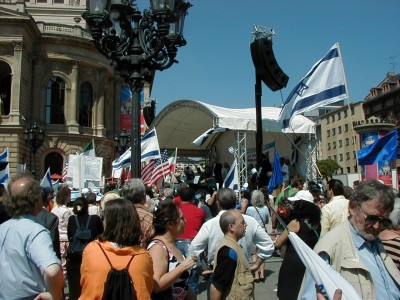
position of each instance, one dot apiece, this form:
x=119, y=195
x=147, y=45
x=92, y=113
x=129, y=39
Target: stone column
x=71, y=103
x=15, y=96
x=98, y=105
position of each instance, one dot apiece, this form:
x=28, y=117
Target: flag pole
x=278, y=218
x=349, y=108
x=297, y=148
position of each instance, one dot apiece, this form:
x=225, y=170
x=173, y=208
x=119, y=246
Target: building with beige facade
x=336, y=138
x=338, y=131
x=52, y=74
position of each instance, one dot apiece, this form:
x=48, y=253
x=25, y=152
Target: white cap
x=302, y=195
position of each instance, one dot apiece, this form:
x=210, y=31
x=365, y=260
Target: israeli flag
x=150, y=146
x=232, y=179
x=150, y=149
x=325, y=83
x=4, y=167
x=46, y=181
x=202, y=138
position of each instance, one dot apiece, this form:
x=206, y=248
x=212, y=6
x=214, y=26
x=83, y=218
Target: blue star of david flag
x=324, y=84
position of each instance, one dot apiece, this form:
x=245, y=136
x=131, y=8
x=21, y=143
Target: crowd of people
x=168, y=238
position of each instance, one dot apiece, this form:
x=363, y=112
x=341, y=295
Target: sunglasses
x=372, y=219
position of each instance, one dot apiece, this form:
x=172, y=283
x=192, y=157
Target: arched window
x=55, y=97
x=85, y=104
x=5, y=88
x=55, y=161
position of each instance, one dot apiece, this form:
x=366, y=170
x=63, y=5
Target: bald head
x=24, y=197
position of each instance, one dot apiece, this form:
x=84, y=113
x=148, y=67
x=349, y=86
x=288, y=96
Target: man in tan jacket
x=354, y=249
x=231, y=265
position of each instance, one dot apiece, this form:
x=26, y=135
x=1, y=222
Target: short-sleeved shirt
x=146, y=223
x=224, y=271
x=261, y=214
x=195, y=217
x=26, y=250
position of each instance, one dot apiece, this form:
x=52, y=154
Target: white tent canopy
x=181, y=122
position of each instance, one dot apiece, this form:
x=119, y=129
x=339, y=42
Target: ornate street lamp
x=34, y=138
x=138, y=45
x=121, y=141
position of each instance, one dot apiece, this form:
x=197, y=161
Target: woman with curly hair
x=170, y=266
x=305, y=222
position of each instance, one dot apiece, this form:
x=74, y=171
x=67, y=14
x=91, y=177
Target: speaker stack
x=266, y=65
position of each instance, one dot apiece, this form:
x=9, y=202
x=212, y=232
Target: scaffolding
x=311, y=159
x=240, y=154
x=263, y=32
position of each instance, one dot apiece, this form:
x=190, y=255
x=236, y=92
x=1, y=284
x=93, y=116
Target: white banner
x=84, y=168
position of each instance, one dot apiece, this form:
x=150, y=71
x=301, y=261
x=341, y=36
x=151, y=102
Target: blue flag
x=323, y=84
x=384, y=149
x=277, y=176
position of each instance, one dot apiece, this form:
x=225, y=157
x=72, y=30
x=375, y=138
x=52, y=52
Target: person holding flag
x=354, y=250
x=305, y=222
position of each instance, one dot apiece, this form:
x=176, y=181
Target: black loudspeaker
x=266, y=66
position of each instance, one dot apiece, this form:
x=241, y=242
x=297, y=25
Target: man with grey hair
x=30, y=267
x=232, y=273
x=135, y=191
x=354, y=249
x=168, y=193
x=210, y=233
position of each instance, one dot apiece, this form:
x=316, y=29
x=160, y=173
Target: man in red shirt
x=195, y=217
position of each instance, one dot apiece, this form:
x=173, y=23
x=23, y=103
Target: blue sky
x=216, y=66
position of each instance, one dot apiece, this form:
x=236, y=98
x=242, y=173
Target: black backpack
x=81, y=238
x=119, y=284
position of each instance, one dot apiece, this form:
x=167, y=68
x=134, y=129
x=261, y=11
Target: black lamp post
x=138, y=44
x=121, y=141
x=34, y=137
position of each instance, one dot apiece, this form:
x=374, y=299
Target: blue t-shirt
x=26, y=250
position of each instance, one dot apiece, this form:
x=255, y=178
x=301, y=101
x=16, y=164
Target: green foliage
x=327, y=167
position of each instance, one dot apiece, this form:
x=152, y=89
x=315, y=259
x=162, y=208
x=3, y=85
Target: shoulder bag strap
x=127, y=266
x=286, y=192
x=77, y=223
x=129, y=263
x=260, y=216
x=106, y=255
x=87, y=223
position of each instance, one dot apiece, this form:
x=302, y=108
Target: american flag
x=156, y=169
x=65, y=170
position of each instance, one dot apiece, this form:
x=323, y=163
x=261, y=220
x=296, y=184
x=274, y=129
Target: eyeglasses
x=372, y=219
